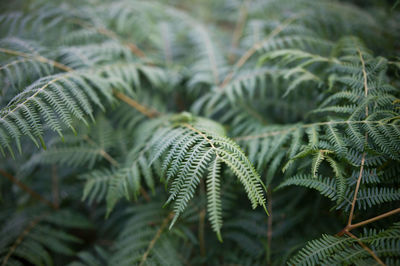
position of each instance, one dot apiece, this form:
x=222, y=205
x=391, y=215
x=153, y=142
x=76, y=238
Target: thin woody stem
x=374, y=219
x=38, y=58
x=150, y=113
x=366, y=248
x=237, y=33
x=353, y=204
x=112, y=35
x=102, y=152
x=155, y=238
x=202, y=216
x=21, y=237
x=141, y=108
x=242, y=60
x=365, y=78
x=115, y=163
x=27, y=189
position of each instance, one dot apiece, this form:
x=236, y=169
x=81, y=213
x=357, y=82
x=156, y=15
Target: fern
x=120, y=118
x=193, y=144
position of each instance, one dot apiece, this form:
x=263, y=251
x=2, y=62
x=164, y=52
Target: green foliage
x=137, y=133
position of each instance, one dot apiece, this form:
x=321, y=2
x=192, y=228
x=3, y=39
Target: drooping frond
x=190, y=145
x=56, y=99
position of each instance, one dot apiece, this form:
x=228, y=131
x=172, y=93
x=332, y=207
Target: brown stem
x=376, y=218
x=27, y=189
x=155, y=238
x=366, y=248
x=114, y=162
x=201, y=134
x=141, y=108
x=237, y=33
x=366, y=139
x=21, y=237
x=134, y=49
x=108, y=157
x=255, y=48
x=202, y=216
x=38, y=58
x=145, y=194
x=112, y=35
x=350, y=227
x=102, y=152
x=353, y=204
x=150, y=113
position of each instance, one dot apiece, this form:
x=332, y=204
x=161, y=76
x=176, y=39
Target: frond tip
x=191, y=148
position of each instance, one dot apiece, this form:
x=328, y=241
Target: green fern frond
x=206, y=144
x=58, y=99
x=317, y=250
x=326, y=186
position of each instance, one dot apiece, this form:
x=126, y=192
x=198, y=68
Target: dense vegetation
x=199, y=132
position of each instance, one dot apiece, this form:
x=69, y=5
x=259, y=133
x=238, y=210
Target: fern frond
x=317, y=250
x=326, y=186
x=208, y=145
x=214, y=201
x=62, y=96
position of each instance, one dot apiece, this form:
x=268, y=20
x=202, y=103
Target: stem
x=237, y=33
x=201, y=134
x=366, y=140
x=150, y=113
x=353, y=204
x=27, y=189
x=366, y=248
x=141, y=108
x=155, y=238
x=202, y=216
x=108, y=157
x=376, y=218
x=38, y=58
x=21, y=237
x=255, y=48
x=102, y=152
x=145, y=194
x=112, y=35
x=115, y=163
